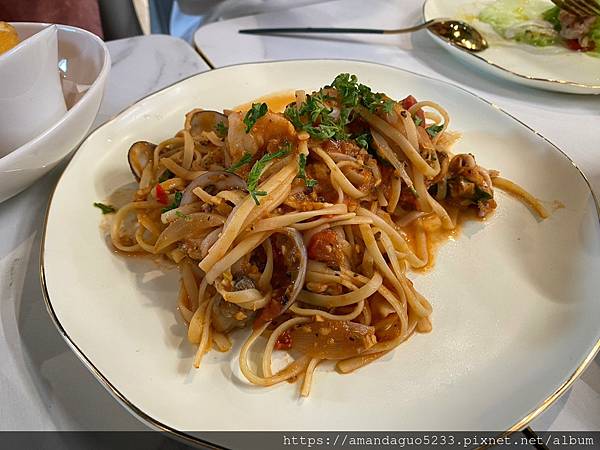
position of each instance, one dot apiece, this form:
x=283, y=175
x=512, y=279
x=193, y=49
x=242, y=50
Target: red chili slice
x=161, y=195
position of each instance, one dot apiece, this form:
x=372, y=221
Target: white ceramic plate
x=554, y=68
x=515, y=300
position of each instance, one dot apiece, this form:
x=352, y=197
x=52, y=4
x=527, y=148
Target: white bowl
x=83, y=57
x=31, y=97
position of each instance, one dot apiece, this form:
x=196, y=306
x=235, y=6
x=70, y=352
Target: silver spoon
x=454, y=32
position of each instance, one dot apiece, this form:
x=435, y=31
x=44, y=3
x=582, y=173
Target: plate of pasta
x=360, y=246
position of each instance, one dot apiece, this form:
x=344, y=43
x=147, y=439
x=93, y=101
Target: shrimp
x=269, y=132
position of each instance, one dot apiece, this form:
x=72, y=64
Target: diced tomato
x=408, y=103
x=284, y=341
x=161, y=195
x=573, y=44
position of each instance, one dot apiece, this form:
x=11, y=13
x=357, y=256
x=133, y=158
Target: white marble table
x=43, y=385
x=570, y=121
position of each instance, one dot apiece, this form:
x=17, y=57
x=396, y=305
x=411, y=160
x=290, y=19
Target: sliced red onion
x=209, y=240
x=220, y=179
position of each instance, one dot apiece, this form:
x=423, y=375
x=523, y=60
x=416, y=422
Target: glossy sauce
x=119, y=198
x=276, y=101
x=436, y=238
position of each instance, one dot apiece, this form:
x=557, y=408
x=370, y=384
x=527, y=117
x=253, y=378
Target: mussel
x=199, y=120
x=139, y=155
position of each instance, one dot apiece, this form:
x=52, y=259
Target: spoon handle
x=335, y=30
x=312, y=30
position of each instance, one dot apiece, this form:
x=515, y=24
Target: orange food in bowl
x=8, y=37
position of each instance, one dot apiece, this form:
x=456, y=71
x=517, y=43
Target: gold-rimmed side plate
x=515, y=300
x=551, y=68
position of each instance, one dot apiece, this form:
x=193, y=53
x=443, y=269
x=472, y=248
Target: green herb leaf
x=176, y=202
x=552, y=15
x=309, y=182
x=315, y=115
x=221, y=130
x=352, y=93
x=433, y=130
x=388, y=106
x=323, y=131
x=257, y=170
x=418, y=121
x=256, y=112
x=315, y=106
x=363, y=140
x=256, y=194
x=347, y=88
x=293, y=115
x=106, y=209
x=183, y=216
x=167, y=174
x=302, y=166
x=245, y=159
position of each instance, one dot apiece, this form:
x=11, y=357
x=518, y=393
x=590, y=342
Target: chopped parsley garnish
x=317, y=118
x=309, y=182
x=175, y=204
x=221, y=129
x=388, y=106
x=326, y=131
x=363, y=140
x=182, y=216
x=165, y=176
x=418, y=121
x=256, y=112
x=347, y=88
x=315, y=111
x=315, y=104
x=433, y=130
x=245, y=159
x=293, y=115
x=352, y=93
x=257, y=170
x=106, y=209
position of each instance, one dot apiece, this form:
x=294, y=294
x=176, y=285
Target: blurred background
x=116, y=19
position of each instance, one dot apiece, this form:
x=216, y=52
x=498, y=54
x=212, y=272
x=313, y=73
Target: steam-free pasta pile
x=303, y=225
